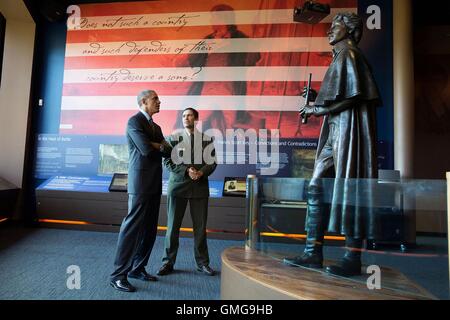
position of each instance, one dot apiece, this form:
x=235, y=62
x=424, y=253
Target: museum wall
x=432, y=101
x=15, y=88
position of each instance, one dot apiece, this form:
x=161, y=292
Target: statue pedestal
x=251, y=275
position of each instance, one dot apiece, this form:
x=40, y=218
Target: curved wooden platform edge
x=251, y=275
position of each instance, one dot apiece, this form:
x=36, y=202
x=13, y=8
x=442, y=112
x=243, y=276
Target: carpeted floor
x=34, y=266
x=34, y=262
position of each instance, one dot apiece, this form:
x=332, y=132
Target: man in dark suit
x=192, y=161
x=146, y=146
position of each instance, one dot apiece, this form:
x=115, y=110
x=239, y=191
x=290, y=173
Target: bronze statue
x=346, y=151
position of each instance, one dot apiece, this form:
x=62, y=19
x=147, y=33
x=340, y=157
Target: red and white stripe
x=122, y=48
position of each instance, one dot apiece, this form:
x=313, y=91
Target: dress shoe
x=308, y=260
x=165, y=270
x=143, y=275
x=348, y=268
x=122, y=285
x=207, y=270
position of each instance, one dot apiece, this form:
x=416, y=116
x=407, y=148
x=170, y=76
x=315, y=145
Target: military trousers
x=176, y=207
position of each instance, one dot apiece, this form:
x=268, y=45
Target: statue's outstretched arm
x=333, y=108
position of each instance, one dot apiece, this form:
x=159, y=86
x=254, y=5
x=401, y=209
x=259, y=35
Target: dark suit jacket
x=145, y=162
x=180, y=184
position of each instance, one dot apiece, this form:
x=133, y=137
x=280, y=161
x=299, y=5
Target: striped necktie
x=152, y=126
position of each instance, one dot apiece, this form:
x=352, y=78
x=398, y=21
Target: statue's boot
x=312, y=256
x=351, y=262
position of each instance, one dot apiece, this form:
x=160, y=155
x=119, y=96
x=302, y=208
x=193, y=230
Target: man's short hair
x=353, y=22
x=195, y=112
x=144, y=95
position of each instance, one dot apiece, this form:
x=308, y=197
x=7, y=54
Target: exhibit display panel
x=86, y=203
x=396, y=263
x=101, y=184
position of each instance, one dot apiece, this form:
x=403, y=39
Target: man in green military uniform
x=192, y=161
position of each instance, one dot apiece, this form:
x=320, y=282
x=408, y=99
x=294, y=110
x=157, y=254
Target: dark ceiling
x=55, y=10
x=431, y=13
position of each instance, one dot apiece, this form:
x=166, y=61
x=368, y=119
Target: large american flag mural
x=242, y=64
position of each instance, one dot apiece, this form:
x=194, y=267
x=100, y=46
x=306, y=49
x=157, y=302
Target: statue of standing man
x=346, y=151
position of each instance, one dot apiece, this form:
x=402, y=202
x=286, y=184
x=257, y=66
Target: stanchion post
x=252, y=210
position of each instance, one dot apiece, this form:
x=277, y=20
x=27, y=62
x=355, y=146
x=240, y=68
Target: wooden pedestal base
x=250, y=274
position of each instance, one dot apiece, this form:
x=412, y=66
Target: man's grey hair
x=144, y=95
x=353, y=22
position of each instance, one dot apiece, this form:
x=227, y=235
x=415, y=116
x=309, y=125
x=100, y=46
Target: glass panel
x=403, y=224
